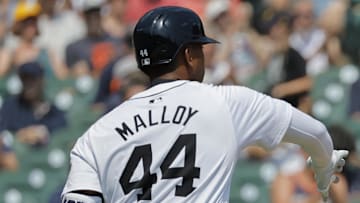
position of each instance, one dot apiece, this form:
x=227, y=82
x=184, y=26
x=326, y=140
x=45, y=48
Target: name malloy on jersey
x=181, y=116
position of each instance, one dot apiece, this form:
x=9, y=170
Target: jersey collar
x=160, y=81
x=159, y=87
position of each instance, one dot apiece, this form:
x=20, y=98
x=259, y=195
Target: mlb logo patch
x=145, y=61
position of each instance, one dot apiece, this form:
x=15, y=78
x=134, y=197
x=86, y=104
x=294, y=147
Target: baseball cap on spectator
x=269, y=18
x=33, y=69
x=25, y=13
x=215, y=8
x=92, y=5
x=25, y=10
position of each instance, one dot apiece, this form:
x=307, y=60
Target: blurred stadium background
x=303, y=51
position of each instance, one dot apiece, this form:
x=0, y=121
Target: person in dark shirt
x=29, y=114
x=286, y=70
x=114, y=76
x=91, y=54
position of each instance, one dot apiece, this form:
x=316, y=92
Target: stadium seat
x=330, y=97
x=248, y=186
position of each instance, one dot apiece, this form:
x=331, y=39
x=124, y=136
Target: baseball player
x=178, y=141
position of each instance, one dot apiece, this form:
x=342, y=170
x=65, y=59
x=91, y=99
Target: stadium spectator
x=264, y=11
x=126, y=64
x=215, y=72
x=142, y=6
x=113, y=76
x=295, y=183
x=218, y=69
x=135, y=82
x=307, y=38
x=132, y=83
x=26, y=29
x=3, y=24
x=246, y=57
x=218, y=20
x=350, y=37
x=336, y=86
x=332, y=20
x=8, y=160
x=119, y=81
x=279, y=5
x=334, y=50
x=91, y=54
x=320, y=6
x=3, y=29
x=54, y=25
x=286, y=70
x=344, y=139
x=29, y=114
x=113, y=22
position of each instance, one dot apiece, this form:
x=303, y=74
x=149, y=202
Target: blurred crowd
x=306, y=52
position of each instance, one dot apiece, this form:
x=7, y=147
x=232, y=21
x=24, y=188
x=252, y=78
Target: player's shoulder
x=206, y=86
x=226, y=94
x=221, y=92
x=224, y=90
x=196, y=88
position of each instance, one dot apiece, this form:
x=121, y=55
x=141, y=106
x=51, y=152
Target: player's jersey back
x=176, y=142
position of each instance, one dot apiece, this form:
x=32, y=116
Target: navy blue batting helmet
x=162, y=32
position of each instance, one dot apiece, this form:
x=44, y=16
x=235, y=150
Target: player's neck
x=160, y=81
x=178, y=74
x=163, y=79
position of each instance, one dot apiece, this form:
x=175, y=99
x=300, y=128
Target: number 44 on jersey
x=144, y=153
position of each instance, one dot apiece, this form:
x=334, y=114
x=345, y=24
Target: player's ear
x=188, y=55
x=188, y=61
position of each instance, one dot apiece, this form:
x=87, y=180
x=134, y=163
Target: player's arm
x=265, y=121
x=83, y=184
x=84, y=196
x=313, y=137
